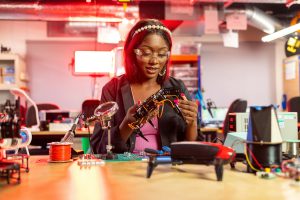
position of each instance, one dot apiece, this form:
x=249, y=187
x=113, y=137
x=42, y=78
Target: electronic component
x=90, y=162
x=287, y=121
x=150, y=108
x=265, y=175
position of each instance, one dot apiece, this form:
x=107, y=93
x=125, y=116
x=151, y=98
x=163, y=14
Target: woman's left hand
x=189, y=110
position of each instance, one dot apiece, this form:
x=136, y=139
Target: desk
x=42, y=138
x=126, y=181
x=210, y=133
x=59, y=134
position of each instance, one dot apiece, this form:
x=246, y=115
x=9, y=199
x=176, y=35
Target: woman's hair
x=135, y=37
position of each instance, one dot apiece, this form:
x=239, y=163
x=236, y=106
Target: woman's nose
x=153, y=59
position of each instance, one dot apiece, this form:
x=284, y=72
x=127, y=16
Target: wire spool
x=23, y=140
x=263, y=155
x=26, y=137
x=60, y=152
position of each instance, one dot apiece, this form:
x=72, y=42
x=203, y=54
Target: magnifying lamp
x=22, y=93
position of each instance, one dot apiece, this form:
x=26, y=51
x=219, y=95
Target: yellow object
x=248, y=161
x=125, y=6
x=295, y=20
x=267, y=169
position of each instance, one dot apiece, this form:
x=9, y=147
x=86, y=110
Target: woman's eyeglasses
x=148, y=54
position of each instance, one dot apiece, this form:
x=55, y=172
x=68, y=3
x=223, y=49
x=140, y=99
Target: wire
x=254, y=158
x=60, y=152
x=237, y=142
x=248, y=161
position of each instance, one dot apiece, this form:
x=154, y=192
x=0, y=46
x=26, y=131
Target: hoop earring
x=162, y=72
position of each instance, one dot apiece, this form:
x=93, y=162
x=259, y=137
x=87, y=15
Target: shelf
x=13, y=72
x=186, y=68
x=7, y=86
x=184, y=58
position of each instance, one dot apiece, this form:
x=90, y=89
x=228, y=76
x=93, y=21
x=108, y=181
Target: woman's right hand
x=129, y=118
x=125, y=130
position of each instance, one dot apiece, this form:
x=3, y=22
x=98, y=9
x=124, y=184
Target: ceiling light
x=95, y=19
x=281, y=33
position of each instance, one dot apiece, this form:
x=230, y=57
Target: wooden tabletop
x=85, y=132
x=59, y=133
x=127, y=180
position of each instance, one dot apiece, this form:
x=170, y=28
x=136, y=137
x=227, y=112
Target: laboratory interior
x=135, y=99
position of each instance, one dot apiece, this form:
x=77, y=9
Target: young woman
x=146, y=55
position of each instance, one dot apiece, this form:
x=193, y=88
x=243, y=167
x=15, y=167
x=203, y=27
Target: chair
x=238, y=105
x=293, y=105
x=31, y=120
x=88, y=106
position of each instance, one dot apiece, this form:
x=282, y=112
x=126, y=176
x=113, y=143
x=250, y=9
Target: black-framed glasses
x=148, y=54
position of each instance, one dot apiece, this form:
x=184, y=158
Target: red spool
x=60, y=152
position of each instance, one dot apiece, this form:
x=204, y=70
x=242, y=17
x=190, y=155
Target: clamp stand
x=109, y=154
x=103, y=113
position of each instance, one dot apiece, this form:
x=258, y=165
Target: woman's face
x=152, y=55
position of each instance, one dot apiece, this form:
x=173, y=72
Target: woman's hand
x=189, y=110
x=129, y=117
x=125, y=130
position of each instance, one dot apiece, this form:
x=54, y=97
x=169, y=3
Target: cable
x=248, y=161
x=254, y=158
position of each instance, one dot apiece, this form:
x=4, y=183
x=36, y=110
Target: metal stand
x=103, y=113
x=109, y=153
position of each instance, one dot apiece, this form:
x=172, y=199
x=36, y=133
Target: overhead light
x=95, y=19
x=281, y=33
x=108, y=34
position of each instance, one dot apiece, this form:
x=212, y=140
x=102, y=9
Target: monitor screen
x=219, y=115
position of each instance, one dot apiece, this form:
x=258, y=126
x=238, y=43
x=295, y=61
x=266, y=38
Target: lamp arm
x=16, y=91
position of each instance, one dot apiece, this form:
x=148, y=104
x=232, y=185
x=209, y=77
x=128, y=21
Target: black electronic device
x=10, y=122
x=264, y=139
x=150, y=107
x=195, y=153
x=10, y=136
x=10, y=170
x=53, y=115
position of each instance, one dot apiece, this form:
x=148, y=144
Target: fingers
x=130, y=113
x=189, y=109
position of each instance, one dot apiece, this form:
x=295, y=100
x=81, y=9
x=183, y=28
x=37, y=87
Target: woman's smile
x=152, y=69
